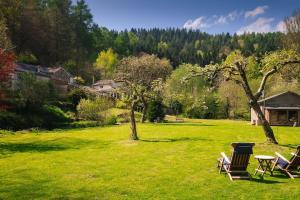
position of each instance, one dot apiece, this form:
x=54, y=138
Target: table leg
x=259, y=166
x=268, y=166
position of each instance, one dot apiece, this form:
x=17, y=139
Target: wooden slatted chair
x=236, y=166
x=290, y=167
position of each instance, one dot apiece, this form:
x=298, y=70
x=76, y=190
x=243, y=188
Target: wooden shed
x=280, y=110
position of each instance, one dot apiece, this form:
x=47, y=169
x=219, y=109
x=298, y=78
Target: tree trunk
x=265, y=124
x=254, y=104
x=133, y=135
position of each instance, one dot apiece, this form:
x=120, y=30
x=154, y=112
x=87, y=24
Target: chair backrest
x=240, y=156
x=295, y=160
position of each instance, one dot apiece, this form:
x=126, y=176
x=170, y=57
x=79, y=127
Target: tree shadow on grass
x=41, y=146
x=185, y=124
x=263, y=180
x=183, y=139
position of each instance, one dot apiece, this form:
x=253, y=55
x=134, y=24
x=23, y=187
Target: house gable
x=60, y=74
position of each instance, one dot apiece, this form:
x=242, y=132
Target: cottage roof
x=42, y=71
x=278, y=95
x=283, y=108
x=39, y=70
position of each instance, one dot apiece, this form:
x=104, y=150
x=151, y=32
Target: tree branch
x=263, y=82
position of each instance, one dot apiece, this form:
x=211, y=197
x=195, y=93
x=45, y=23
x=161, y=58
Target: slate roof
x=38, y=70
x=277, y=95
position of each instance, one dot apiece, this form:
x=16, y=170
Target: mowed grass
x=171, y=161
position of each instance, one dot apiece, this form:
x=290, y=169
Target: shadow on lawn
x=185, y=124
x=262, y=180
x=174, y=139
x=40, y=146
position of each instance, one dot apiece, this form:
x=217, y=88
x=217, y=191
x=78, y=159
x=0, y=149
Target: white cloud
x=261, y=25
x=206, y=22
x=221, y=20
x=281, y=27
x=198, y=23
x=225, y=19
x=257, y=11
x=233, y=15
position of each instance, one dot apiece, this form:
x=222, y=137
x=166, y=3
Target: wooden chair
x=236, y=166
x=290, y=167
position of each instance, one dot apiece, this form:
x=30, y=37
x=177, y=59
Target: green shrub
x=110, y=120
x=76, y=95
x=83, y=124
x=206, y=108
x=121, y=104
x=11, y=121
x=155, y=111
x=175, y=107
x=94, y=109
x=53, y=117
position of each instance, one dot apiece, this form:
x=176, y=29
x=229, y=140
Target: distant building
x=107, y=88
x=61, y=79
x=282, y=109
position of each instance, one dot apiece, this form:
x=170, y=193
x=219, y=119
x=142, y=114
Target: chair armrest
x=280, y=156
x=225, y=157
x=293, y=154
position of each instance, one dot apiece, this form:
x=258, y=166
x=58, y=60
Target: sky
x=212, y=16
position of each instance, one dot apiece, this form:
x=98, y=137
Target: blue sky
x=212, y=16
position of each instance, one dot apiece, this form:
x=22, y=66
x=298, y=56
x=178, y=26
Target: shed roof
x=278, y=95
x=283, y=108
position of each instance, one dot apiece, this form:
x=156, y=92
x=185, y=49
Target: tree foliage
x=137, y=75
x=107, y=62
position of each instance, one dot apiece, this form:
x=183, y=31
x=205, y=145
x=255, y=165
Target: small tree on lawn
x=137, y=75
x=235, y=68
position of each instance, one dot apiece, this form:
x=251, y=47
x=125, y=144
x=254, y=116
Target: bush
x=175, y=107
x=155, y=111
x=110, y=120
x=11, y=121
x=121, y=104
x=76, y=95
x=208, y=108
x=53, y=117
x=93, y=109
x=82, y=124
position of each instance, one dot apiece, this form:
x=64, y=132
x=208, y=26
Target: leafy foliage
x=107, y=62
x=93, y=109
x=155, y=111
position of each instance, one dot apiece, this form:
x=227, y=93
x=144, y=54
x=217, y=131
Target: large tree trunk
x=133, y=135
x=265, y=124
x=254, y=104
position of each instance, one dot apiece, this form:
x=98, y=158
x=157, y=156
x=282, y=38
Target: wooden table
x=264, y=164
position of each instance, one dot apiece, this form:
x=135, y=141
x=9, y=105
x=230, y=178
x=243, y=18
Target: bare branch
x=263, y=82
x=271, y=72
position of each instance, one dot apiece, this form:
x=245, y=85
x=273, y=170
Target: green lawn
x=171, y=161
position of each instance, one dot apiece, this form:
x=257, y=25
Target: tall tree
x=83, y=21
x=235, y=68
x=137, y=75
x=107, y=62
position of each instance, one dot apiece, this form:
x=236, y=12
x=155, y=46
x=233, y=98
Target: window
x=293, y=115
